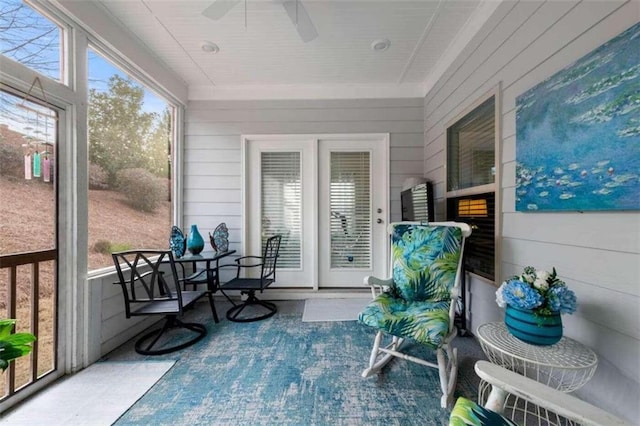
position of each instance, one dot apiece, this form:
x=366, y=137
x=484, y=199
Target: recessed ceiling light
x=380, y=45
x=209, y=47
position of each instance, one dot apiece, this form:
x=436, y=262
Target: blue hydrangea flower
x=521, y=295
x=562, y=299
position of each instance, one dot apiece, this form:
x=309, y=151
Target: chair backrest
x=270, y=257
x=148, y=276
x=427, y=259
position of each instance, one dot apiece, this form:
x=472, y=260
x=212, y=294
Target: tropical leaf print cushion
x=425, y=260
x=424, y=322
x=468, y=413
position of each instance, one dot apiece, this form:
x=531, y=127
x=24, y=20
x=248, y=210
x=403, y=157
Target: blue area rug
x=283, y=371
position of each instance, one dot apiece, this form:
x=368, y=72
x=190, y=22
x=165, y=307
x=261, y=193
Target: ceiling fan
x=295, y=9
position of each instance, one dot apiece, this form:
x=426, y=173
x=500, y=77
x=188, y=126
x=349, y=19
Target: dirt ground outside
x=27, y=223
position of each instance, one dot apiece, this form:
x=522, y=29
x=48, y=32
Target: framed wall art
x=578, y=133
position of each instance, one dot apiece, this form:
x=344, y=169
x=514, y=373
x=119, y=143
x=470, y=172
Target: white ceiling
x=268, y=53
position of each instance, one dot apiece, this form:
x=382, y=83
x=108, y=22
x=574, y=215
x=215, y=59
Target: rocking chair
x=418, y=302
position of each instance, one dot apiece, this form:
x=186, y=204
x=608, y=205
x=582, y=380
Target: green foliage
x=143, y=190
x=102, y=246
x=13, y=345
x=115, y=247
x=98, y=177
x=122, y=135
x=107, y=247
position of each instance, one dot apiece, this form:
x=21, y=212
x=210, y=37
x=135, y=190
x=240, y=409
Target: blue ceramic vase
x=195, y=242
x=532, y=328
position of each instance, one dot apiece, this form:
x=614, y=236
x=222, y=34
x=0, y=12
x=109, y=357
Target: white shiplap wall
x=596, y=253
x=212, y=163
x=212, y=175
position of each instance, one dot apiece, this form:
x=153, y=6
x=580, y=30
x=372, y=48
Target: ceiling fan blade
x=219, y=8
x=300, y=19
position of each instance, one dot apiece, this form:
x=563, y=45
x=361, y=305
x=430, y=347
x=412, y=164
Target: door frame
x=383, y=138
x=17, y=82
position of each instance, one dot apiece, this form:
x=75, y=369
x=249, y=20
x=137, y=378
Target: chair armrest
x=504, y=381
x=239, y=262
x=373, y=281
x=377, y=283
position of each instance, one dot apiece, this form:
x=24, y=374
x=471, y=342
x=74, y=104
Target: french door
x=328, y=196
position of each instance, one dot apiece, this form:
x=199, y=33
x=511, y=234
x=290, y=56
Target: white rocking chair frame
x=446, y=355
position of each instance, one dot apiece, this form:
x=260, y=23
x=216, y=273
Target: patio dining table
x=211, y=261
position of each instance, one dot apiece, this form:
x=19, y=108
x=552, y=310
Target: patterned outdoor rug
x=333, y=309
x=282, y=371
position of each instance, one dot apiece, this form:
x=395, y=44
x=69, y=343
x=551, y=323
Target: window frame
x=66, y=54
x=494, y=187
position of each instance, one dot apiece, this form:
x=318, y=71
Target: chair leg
x=233, y=314
x=171, y=322
x=448, y=371
x=213, y=307
x=376, y=362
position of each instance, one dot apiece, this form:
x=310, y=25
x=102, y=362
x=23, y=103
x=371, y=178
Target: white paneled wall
x=596, y=253
x=212, y=163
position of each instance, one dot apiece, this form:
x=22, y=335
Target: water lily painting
x=578, y=133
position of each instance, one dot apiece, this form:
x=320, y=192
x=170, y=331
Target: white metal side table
x=567, y=365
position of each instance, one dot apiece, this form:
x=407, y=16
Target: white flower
x=499, y=299
x=543, y=275
x=541, y=284
x=528, y=278
x=541, y=281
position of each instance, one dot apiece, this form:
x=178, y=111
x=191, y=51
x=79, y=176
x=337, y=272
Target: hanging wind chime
x=37, y=163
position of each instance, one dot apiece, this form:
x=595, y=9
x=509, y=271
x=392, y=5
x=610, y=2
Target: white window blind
x=281, y=195
x=471, y=149
x=350, y=203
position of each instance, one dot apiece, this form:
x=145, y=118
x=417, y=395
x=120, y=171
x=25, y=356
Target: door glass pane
x=350, y=207
x=28, y=148
x=281, y=199
x=27, y=156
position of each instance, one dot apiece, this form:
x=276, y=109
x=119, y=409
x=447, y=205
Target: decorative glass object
x=220, y=238
x=177, y=242
x=195, y=243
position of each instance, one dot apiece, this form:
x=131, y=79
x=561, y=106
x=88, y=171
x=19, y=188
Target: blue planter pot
x=195, y=242
x=531, y=328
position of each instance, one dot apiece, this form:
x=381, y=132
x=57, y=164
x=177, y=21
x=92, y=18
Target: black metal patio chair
x=151, y=287
x=249, y=286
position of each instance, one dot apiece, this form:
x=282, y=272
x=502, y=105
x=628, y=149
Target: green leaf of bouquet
x=21, y=338
x=12, y=352
x=6, y=327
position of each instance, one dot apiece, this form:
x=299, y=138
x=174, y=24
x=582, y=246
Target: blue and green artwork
x=578, y=133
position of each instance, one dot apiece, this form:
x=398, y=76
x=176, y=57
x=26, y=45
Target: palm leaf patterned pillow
x=468, y=413
x=425, y=260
